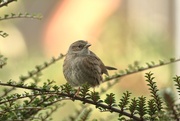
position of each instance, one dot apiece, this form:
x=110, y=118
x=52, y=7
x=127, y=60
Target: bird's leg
x=77, y=92
x=93, y=89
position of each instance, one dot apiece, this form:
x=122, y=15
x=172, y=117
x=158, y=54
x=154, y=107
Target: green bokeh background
x=120, y=43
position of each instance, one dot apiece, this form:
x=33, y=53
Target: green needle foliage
x=48, y=95
x=110, y=100
x=3, y=61
x=133, y=106
x=141, y=107
x=84, y=115
x=38, y=103
x=125, y=100
x=177, y=83
x=170, y=102
x=152, y=109
x=154, y=90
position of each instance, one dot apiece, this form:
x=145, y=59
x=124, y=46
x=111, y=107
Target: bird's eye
x=77, y=47
x=80, y=46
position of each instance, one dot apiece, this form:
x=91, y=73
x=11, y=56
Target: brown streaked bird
x=82, y=66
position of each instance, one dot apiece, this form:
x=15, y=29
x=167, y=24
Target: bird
x=82, y=66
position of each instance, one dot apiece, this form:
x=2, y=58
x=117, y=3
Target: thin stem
x=136, y=71
x=71, y=97
x=32, y=74
x=6, y=3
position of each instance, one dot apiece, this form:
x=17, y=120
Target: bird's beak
x=87, y=45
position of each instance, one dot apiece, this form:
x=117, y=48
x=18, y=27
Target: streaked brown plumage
x=82, y=66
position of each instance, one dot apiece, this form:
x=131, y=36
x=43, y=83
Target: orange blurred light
x=75, y=20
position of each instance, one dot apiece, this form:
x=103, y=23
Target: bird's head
x=79, y=47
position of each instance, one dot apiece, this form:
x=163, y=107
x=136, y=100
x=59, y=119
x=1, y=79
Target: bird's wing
x=91, y=69
x=103, y=67
x=110, y=68
x=98, y=62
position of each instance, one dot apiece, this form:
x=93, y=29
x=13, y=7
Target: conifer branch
x=3, y=34
x=20, y=15
x=63, y=92
x=154, y=91
x=32, y=73
x=5, y=3
x=170, y=102
x=176, y=79
x=136, y=68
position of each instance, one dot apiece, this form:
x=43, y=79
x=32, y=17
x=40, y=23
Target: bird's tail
x=110, y=68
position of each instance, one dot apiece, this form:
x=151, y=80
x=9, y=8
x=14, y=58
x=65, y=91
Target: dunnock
x=82, y=66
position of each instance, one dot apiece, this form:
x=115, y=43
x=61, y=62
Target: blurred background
x=120, y=31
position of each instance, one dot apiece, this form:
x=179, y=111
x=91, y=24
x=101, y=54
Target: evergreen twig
x=38, y=69
x=5, y=3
